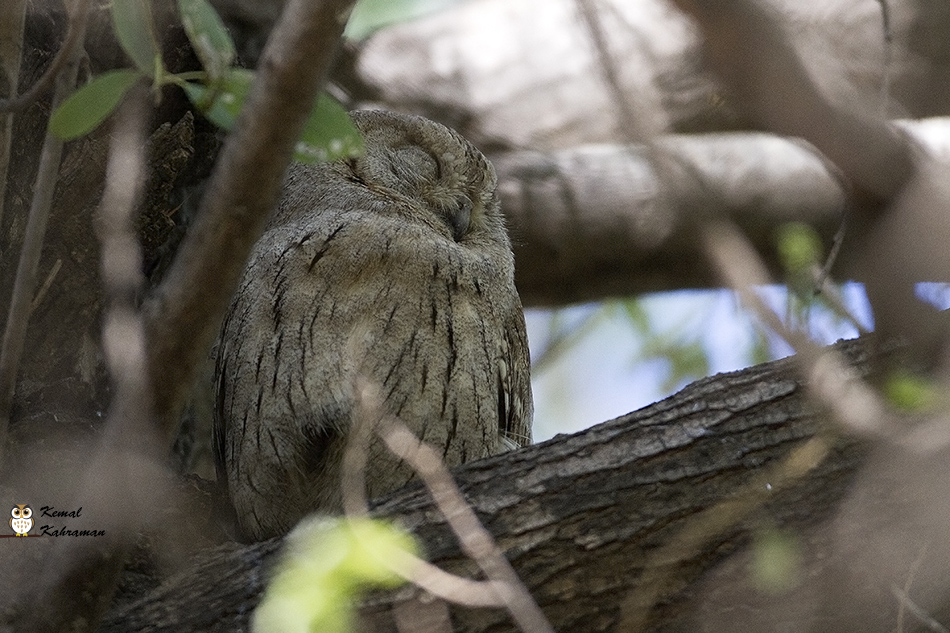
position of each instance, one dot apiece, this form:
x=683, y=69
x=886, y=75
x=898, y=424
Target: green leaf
x=635, y=311
x=371, y=15
x=135, y=29
x=222, y=104
x=89, y=106
x=910, y=393
x=208, y=36
x=329, y=134
x=799, y=247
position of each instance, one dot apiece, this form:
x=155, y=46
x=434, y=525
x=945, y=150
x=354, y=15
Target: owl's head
x=22, y=511
x=431, y=167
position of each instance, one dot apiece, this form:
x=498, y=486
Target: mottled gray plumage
x=395, y=266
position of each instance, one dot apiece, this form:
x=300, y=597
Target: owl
x=394, y=267
x=22, y=519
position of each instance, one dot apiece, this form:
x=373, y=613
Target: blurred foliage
x=910, y=393
x=678, y=344
x=327, y=565
x=776, y=561
x=371, y=15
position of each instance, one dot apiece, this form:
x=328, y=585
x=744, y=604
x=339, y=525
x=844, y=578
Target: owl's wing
x=515, y=405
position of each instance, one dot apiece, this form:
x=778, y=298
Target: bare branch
x=755, y=58
x=833, y=384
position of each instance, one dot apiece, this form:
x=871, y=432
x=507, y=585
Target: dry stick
x=14, y=335
x=184, y=315
x=439, y=583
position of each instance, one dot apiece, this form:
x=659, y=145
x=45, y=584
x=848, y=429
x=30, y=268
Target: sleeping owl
x=395, y=267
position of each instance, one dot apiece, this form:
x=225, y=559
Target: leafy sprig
x=218, y=91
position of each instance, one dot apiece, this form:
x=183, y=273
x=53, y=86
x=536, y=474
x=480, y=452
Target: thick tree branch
x=597, y=221
x=577, y=514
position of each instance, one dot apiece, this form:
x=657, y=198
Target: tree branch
x=576, y=515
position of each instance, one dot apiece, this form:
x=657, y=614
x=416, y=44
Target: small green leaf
x=637, y=314
x=910, y=393
x=135, y=29
x=208, y=36
x=89, y=106
x=776, y=562
x=799, y=247
x=329, y=134
x=222, y=104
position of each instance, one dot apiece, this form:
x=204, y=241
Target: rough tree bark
x=582, y=518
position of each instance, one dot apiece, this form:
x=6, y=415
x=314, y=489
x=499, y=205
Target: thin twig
x=918, y=612
x=439, y=583
x=476, y=541
x=14, y=335
x=75, y=33
x=41, y=293
x=911, y=575
x=832, y=382
x=632, y=128
x=888, y=55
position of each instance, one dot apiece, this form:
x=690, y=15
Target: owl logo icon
x=22, y=519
